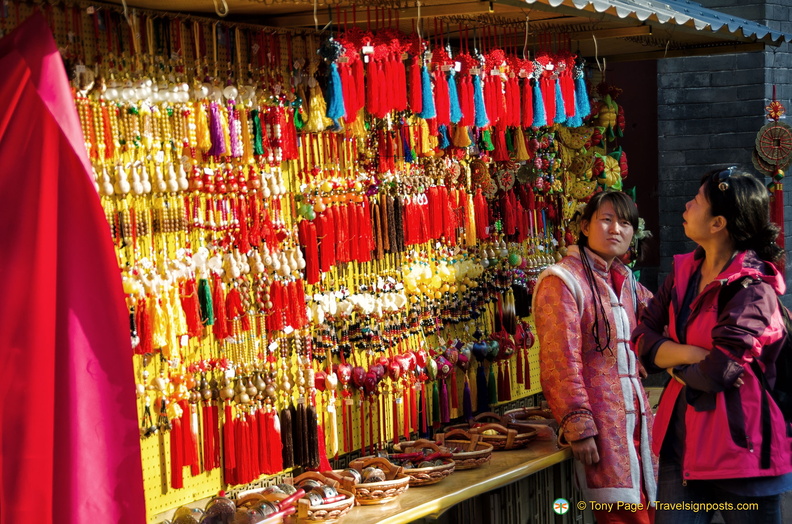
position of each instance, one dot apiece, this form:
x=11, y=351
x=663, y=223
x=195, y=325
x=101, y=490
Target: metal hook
x=221, y=13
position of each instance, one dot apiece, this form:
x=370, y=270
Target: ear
x=718, y=224
x=585, y=225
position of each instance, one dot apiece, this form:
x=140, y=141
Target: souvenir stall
x=328, y=238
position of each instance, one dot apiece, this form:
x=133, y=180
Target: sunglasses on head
x=723, y=177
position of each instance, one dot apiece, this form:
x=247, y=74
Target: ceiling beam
x=323, y=17
x=697, y=51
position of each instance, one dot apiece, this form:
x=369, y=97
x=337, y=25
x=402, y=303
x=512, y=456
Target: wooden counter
x=504, y=468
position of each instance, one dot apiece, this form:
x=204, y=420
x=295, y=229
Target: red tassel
x=274, y=444
x=349, y=90
x=527, y=103
x=229, y=447
x=190, y=455
x=372, y=88
x=263, y=453
x=324, y=464
x=307, y=231
x=255, y=446
x=208, y=438
x=520, y=365
x=219, y=328
x=399, y=84
x=176, y=452
x=547, y=85
x=442, y=103
x=416, y=100
x=481, y=215
x=395, y=409
x=242, y=438
x=191, y=307
x=144, y=327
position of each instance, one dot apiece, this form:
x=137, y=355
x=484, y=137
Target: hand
x=585, y=450
x=673, y=375
x=739, y=382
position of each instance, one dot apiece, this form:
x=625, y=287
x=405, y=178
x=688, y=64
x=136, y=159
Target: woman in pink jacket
x=585, y=308
x=721, y=440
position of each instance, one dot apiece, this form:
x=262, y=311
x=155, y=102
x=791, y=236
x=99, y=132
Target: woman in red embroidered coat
x=585, y=309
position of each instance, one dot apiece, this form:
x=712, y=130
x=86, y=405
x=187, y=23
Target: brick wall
x=709, y=111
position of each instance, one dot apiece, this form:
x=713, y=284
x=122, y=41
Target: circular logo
x=560, y=506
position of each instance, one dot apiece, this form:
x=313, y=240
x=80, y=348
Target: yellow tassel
x=226, y=130
x=426, y=146
x=159, y=323
x=202, y=128
x=461, y=137
x=317, y=108
x=247, y=155
x=358, y=127
x=522, y=152
x=331, y=431
x=470, y=227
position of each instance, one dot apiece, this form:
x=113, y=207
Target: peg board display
x=321, y=239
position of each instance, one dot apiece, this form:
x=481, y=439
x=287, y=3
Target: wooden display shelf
x=431, y=501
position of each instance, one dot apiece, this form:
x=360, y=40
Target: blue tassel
x=467, y=402
x=444, y=140
x=335, y=96
x=453, y=98
x=428, y=111
x=481, y=119
x=574, y=120
x=560, y=115
x=539, y=117
x=408, y=154
x=482, y=393
x=582, y=106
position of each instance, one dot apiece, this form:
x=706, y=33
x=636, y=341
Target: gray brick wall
x=709, y=111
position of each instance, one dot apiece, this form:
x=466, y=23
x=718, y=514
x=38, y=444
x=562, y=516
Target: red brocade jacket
x=592, y=393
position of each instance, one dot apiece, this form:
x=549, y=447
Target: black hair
x=744, y=201
x=625, y=209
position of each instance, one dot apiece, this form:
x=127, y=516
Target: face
x=608, y=235
x=697, y=218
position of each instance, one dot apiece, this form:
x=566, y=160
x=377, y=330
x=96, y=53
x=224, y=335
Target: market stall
x=328, y=236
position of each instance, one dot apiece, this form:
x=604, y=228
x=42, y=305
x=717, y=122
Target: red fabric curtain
x=68, y=421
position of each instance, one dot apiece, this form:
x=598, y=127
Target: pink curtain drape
x=69, y=448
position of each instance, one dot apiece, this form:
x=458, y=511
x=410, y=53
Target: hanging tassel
x=455, y=110
x=560, y=109
x=312, y=431
x=461, y=136
x=492, y=385
x=520, y=365
x=445, y=415
x=527, y=103
x=500, y=149
x=220, y=327
x=229, y=445
x=255, y=446
x=177, y=453
x=481, y=119
x=205, y=299
x=216, y=132
x=324, y=463
x=486, y=140
x=208, y=437
x=317, y=108
x=521, y=152
x=481, y=214
x=335, y=96
x=287, y=439
x=435, y=405
x=427, y=100
x=443, y=139
x=482, y=393
x=300, y=434
x=539, y=115
x=274, y=441
x=416, y=94
x=262, y=420
x=442, y=102
x=242, y=442
x=467, y=401
x=191, y=306
x=190, y=453
x=332, y=431
x=582, y=105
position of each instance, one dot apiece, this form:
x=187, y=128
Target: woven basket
x=431, y=475
x=504, y=438
x=526, y=417
x=476, y=452
x=369, y=493
x=332, y=512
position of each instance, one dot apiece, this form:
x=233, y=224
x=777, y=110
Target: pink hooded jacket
x=723, y=427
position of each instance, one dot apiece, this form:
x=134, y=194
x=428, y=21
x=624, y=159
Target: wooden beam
x=619, y=32
x=322, y=16
x=695, y=51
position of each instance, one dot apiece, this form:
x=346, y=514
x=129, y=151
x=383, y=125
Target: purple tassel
x=482, y=393
x=467, y=401
x=445, y=415
x=216, y=132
